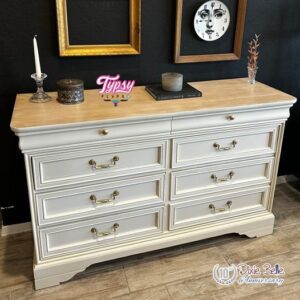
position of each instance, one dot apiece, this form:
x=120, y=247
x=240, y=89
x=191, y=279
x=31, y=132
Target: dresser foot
x=259, y=231
x=42, y=283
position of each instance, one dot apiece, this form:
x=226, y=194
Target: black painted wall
x=278, y=22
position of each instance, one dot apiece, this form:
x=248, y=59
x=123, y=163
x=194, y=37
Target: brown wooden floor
x=183, y=272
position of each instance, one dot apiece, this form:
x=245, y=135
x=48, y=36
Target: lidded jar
x=70, y=91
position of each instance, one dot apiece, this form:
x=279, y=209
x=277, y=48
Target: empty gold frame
x=132, y=48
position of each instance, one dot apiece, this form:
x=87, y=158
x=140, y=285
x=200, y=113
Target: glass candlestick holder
x=40, y=96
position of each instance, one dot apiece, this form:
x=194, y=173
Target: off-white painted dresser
x=106, y=182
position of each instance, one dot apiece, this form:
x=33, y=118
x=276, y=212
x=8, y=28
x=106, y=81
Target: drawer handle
x=104, y=131
x=222, y=209
x=215, y=178
x=219, y=148
x=105, y=166
x=105, y=233
x=230, y=118
x=104, y=201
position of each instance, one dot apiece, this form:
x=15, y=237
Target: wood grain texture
x=239, y=30
x=217, y=94
x=183, y=59
x=112, y=282
x=165, y=270
x=156, y=293
x=15, y=261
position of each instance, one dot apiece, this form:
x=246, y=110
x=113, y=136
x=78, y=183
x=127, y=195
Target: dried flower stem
x=253, y=52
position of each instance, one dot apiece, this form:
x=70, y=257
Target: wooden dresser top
x=217, y=95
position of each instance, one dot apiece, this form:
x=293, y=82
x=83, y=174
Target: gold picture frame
x=132, y=48
x=237, y=43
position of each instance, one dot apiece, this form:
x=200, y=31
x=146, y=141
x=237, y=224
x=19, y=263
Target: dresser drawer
x=101, y=232
x=66, y=205
x=213, y=148
x=107, y=132
x=216, y=208
x=231, y=118
x=217, y=178
x=55, y=170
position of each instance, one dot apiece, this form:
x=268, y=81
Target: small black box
x=157, y=92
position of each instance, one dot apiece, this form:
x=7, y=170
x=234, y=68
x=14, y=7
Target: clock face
x=212, y=20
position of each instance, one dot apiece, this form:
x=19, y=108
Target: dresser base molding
x=53, y=273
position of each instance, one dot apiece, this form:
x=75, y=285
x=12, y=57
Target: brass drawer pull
x=105, y=233
x=230, y=118
x=215, y=178
x=222, y=209
x=219, y=148
x=104, y=131
x=104, y=201
x=94, y=165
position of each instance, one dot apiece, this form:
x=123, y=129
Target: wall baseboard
x=286, y=179
x=25, y=227
x=16, y=228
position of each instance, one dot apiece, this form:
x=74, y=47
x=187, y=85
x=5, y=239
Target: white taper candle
x=37, y=58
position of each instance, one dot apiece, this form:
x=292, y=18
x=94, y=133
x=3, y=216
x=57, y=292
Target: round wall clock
x=212, y=20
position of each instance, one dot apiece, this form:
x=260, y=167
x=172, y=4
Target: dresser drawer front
x=108, y=132
x=217, y=208
x=53, y=170
x=212, y=179
x=230, y=118
x=214, y=148
x=101, y=232
x=98, y=199
x=135, y=129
